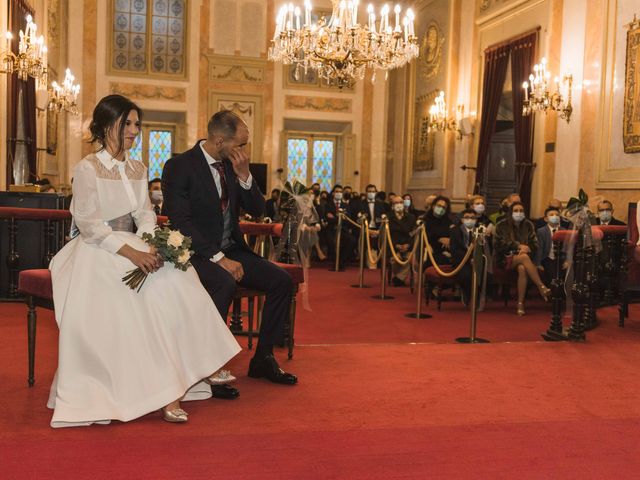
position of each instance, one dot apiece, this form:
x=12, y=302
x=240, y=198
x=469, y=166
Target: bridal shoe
x=220, y=378
x=177, y=415
x=520, y=310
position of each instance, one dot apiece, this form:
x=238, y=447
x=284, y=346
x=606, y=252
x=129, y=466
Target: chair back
x=632, y=222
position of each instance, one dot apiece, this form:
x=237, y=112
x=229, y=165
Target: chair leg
x=621, y=310
x=250, y=323
x=292, y=321
x=439, y=296
x=31, y=335
x=236, y=316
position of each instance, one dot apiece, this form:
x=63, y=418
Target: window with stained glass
x=148, y=36
x=159, y=151
x=322, y=172
x=297, y=159
x=135, y=152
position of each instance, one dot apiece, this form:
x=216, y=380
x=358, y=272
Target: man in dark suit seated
x=372, y=209
x=605, y=214
x=329, y=220
x=401, y=225
x=272, y=209
x=461, y=236
x=557, y=205
x=545, y=258
x=204, y=188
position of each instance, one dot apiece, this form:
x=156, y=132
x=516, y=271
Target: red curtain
x=18, y=10
x=523, y=51
x=496, y=60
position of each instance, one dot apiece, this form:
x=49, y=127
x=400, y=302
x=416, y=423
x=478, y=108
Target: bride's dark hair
x=108, y=112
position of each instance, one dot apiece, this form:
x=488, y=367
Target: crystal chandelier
x=538, y=98
x=340, y=49
x=63, y=97
x=438, y=120
x=31, y=60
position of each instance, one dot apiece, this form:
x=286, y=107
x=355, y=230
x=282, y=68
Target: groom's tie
x=224, y=197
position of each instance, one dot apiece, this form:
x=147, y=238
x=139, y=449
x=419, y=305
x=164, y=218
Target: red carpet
x=381, y=408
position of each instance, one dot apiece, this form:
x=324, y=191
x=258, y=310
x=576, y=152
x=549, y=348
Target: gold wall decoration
x=424, y=140
x=431, y=51
x=631, y=121
x=148, y=92
x=318, y=104
x=232, y=69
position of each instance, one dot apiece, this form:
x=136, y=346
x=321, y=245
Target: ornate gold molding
x=317, y=104
x=631, y=121
x=149, y=92
x=232, y=69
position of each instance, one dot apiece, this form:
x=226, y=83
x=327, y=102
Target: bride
x=122, y=353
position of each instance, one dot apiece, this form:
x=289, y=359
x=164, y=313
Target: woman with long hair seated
x=124, y=353
x=437, y=224
x=515, y=245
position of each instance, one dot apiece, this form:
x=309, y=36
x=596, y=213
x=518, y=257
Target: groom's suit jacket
x=192, y=203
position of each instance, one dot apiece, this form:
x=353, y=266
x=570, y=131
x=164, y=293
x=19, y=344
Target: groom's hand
x=240, y=161
x=233, y=267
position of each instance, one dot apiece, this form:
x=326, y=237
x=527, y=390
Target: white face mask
x=156, y=197
x=438, y=211
x=518, y=216
x=469, y=222
x=337, y=196
x=406, y=202
x=398, y=207
x=371, y=195
x=554, y=219
x=605, y=215
x=479, y=208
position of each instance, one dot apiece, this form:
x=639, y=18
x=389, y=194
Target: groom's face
x=239, y=141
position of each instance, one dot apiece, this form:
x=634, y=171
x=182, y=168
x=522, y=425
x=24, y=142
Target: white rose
x=184, y=258
x=175, y=239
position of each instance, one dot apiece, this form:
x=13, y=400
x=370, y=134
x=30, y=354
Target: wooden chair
x=434, y=280
x=630, y=288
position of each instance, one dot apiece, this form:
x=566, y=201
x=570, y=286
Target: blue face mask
x=438, y=211
x=479, y=208
x=469, y=222
x=406, y=202
x=517, y=216
x=554, y=219
x=605, y=215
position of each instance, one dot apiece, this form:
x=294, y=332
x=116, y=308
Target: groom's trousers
x=259, y=274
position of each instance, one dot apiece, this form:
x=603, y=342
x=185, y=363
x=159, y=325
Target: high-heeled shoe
x=520, y=310
x=221, y=377
x=545, y=292
x=177, y=415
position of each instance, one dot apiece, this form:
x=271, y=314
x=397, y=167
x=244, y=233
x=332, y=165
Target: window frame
x=146, y=130
x=148, y=73
x=310, y=138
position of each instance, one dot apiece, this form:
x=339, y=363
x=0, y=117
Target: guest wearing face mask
x=605, y=214
x=272, y=209
x=437, y=224
x=461, y=237
x=372, y=209
x=545, y=258
x=329, y=217
x=409, y=207
x=155, y=195
x=515, y=244
x=557, y=205
x=401, y=224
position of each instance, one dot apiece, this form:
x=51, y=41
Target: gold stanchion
x=418, y=313
x=477, y=267
x=362, y=243
x=383, y=255
x=338, y=239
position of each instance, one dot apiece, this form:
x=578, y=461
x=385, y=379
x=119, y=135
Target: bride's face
x=129, y=134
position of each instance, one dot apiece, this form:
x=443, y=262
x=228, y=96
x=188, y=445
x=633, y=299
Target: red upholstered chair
x=433, y=280
x=630, y=291
x=36, y=286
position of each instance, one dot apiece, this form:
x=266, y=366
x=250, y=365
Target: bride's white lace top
x=105, y=189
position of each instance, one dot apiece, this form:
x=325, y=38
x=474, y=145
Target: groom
x=203, y=190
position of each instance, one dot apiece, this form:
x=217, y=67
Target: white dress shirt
x=216, y=178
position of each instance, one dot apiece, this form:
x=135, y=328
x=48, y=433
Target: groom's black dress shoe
x=225, y=392
x=267, y=367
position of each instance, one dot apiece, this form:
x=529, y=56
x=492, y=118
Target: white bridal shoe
x=222, y=377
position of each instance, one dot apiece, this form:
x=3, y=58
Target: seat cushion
x=296, y=272
x=502, y=275
x=433, y=276
x=36, y=283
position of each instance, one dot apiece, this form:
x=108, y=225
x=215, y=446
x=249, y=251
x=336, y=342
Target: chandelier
x=537, y=95
x=31, y=60
x=438, y=120
x=340, y=49
x=63, y=97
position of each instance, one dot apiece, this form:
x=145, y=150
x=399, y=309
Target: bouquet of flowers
x=171, y=245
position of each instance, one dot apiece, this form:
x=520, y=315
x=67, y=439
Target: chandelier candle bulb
x=397, y=11
x=307, y=13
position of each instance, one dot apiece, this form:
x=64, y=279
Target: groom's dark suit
x=193, y=205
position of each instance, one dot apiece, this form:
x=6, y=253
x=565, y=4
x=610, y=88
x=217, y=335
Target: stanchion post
x=383, y=259
x=338, y=241
x=363, y=246
x=418, y=313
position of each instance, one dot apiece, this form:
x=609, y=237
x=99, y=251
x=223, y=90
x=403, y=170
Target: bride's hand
x=154, y=251
x=145, y=261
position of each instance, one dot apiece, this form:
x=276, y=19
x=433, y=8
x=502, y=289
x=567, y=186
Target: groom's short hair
x=224, y=123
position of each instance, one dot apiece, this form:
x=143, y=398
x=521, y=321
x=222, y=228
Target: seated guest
x=515, y=244
x=478, y=204
x=272, y=208
x=409, y=207
x=437, y=223
x=401, y=225
x=372, y=209
x=428, y=202
x=381, y=195
x=545, y=256
x=329, y=215
x=557, y=205
x=605, y=214
x=155, y=195
x=461, y=237
x=390, y=198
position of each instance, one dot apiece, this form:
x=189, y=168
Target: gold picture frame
x=631, y=120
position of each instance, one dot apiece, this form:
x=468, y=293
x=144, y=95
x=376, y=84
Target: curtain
x=18, y=10
x=496, y=60
x=523, y=52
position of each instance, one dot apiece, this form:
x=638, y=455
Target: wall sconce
x=31, y=60
x=538, y=98
x=438, y=120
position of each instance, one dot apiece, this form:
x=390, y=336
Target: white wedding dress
x=123, y=354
